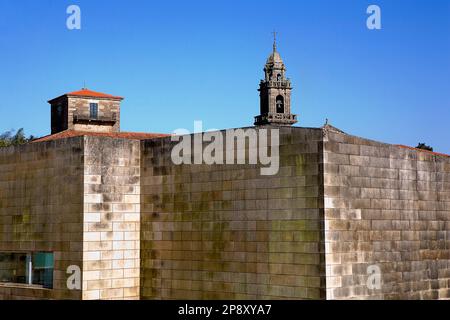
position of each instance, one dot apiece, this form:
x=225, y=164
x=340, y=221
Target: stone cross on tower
x=274, y=40
x=275, y=92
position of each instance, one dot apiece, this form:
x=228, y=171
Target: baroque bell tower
x=275, y=93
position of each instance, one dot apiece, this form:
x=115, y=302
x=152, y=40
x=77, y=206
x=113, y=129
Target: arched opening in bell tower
x=280, y=104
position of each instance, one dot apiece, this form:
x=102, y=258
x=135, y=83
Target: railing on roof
x=276, y=118
x=277, y=84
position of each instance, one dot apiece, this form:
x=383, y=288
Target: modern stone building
x=113, y=206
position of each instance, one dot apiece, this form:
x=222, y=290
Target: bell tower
x=275, y=93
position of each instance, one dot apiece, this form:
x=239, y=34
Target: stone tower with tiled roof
x=85, y=110
x=275, y=93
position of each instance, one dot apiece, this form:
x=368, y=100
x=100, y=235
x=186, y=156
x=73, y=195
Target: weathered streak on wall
x=111, y=219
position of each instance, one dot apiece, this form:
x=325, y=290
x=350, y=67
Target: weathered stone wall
x=78, y=198
x=111, y=219
x=385, y=206
x=226, y=232
x=41, y=209
x=141, y=227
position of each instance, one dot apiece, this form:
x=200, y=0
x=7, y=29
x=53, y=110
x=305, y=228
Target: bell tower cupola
x=275, y=93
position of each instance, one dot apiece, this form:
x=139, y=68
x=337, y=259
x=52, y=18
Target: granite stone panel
x=225, y=231
x=41, y=210
x=111, y=228
x=388, y=207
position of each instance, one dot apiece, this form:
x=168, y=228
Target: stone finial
x=274, y=41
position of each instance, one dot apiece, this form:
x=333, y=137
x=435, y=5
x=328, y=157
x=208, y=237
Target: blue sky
x=180, y=61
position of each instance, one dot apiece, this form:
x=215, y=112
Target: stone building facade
x=114, y=206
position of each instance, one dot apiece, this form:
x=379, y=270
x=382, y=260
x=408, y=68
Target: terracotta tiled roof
x=89, y=94
x=117, y=135
x=422, y=150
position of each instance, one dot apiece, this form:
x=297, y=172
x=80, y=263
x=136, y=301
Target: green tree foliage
x=423, y=146
x=11, y=138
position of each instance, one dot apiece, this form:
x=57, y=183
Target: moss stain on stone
x=300, y=165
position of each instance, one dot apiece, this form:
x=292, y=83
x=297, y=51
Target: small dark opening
x=280, y=104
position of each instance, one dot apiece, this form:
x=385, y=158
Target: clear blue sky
x=180, y=61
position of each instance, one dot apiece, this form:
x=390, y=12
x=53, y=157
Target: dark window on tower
x=278, y=77
x=59, y=110
x=93, y=110
x=280, y=104
x=264, y=105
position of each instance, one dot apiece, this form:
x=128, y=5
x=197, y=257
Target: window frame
x=93, y=105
